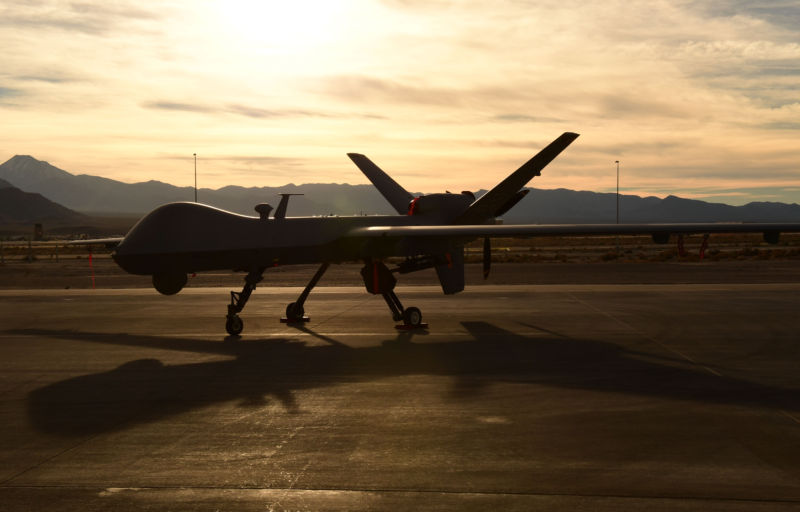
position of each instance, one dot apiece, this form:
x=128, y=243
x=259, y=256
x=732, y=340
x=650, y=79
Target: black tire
x=169, y=283
x=234, y=325
x=412, y=316
x=294, y=312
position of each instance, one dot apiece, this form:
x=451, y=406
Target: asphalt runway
x=580, y=397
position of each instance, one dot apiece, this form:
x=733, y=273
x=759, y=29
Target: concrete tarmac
x=580, y=397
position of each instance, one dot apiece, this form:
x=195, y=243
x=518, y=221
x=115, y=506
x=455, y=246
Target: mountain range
x=96, y=195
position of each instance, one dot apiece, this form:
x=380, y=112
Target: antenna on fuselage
x=280, y=213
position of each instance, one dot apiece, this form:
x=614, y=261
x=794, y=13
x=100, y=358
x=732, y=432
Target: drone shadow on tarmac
x=147, y=390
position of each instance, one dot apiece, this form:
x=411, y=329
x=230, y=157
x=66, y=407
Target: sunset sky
x=695, y=98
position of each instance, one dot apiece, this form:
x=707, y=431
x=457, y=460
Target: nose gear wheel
x=233, y=323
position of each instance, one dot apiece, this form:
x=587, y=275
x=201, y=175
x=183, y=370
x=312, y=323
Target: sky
x=699, y=99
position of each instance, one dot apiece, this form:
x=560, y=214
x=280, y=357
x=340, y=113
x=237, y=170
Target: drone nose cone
x=154, y=236
x=125, y=256
x=179, y=235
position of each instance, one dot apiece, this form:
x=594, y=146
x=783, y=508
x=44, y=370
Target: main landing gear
x=294, y=311
x=378, y=279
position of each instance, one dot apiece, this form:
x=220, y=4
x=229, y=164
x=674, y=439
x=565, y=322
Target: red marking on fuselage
x=413, y=206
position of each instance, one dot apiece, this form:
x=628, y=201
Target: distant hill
x=18, y=207
x=93, y=194
x=569, y=206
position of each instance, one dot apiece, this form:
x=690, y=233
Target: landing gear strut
x=234, y=324
x=378, y=279
x=294, y=311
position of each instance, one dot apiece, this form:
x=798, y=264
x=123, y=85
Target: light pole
x=617, y=162
x=195, y=177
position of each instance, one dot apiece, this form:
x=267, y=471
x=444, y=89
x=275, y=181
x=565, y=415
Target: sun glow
x=281, y=27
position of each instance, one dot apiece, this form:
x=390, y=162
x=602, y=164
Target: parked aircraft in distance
x=429, y=231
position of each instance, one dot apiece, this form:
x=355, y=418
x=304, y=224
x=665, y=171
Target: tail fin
x=397, y=196
x=496, y=199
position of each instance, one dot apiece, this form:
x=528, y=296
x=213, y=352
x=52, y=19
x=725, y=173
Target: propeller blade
x=487, y=256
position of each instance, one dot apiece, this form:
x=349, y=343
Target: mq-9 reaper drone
x=429, y=231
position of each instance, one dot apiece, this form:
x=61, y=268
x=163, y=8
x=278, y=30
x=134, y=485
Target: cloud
x=636, y=105
x=30, y=78
x=782, y=13
x=181, y=107
x=6, y=92
x=253, y=169
x=82, y=17
x=511, y=103
x=261, y=113
x=522, y=118
x=453, y=104
x=252, y=112
x=741, y=49
x=50, y=79
x=677, y=90
x=244, y=159
x=375, y=90
x=788, y=125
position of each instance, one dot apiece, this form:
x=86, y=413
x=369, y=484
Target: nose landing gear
x=233, y=323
